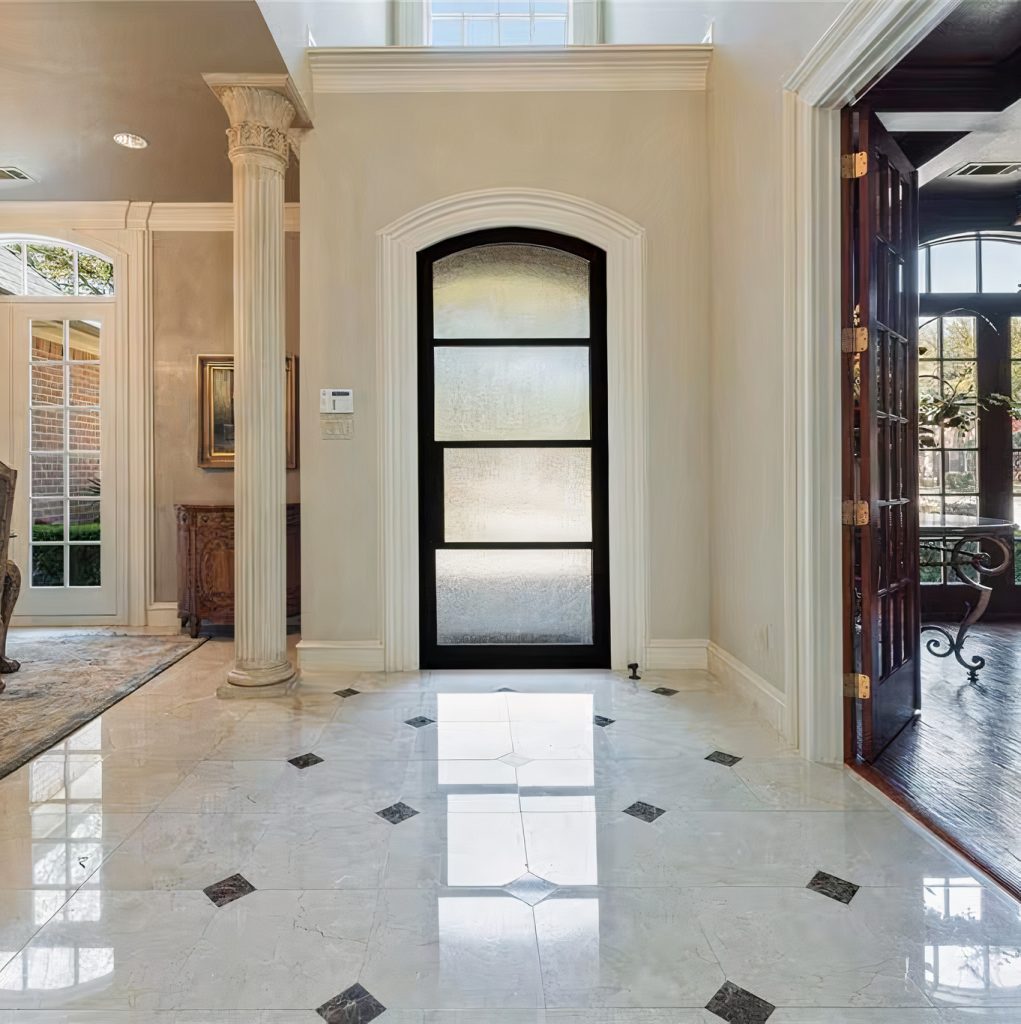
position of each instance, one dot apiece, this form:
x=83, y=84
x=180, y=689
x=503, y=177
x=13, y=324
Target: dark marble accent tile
x=530, y=889
x=665, y=691
x=602, y=720
x=719, y=757
x=229, y=889
x=836, y=888
x=643, y=811
x=737, y=1006
x=506, y=689
x=353, y=1006
x=419, y=721
x=349, y=692
x=398, y=812
x=305, y=760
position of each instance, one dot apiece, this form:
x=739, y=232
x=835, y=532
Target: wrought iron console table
x=959, y=541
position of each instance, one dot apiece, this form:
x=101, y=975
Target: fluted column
x=258, y=148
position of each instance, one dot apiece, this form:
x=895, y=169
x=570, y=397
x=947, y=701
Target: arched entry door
x=513, y=452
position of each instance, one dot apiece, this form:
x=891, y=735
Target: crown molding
x=31, y=215
x=510, y=69
x=863, y=43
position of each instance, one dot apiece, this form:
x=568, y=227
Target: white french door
x=62, y=443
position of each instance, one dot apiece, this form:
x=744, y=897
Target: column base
x=272, y=681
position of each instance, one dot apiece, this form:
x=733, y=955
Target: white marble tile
x=839, y=1015
x=108, y=949
x=49, y=820
x=171, y=850
x=301, y=851
x=224, y=786
x=435, y=850
x=161, y=1017
x=255, y=739
x=797, y=784
x=30, y=863
x=276, y=949
x=455, y=949
x=624, y=947
x=793, y=947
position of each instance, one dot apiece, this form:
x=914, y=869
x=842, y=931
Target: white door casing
x=624, y=244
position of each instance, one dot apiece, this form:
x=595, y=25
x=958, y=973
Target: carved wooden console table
x=205, y=564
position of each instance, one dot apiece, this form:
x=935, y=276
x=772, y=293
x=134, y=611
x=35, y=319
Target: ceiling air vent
x=13, y=174
x=986, y=170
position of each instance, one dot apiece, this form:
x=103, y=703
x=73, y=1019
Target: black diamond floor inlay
x=229, y=889
x=349, y=692
x=737, y=1006
x=353, y=1006
x=398, y=812
x=719, y=757
x=836, y=888
x=506, y=689
x=643, y=811
x=419, y=721
x=603, y=720
x=664, y=691
x=305, y=760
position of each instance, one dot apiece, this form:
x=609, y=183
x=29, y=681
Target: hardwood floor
x=958, y=767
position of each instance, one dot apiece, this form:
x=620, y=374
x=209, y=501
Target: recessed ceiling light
x=130, y=140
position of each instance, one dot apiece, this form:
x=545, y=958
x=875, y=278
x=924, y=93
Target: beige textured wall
x=193, y=314
x=372, y=158
x=758, y=45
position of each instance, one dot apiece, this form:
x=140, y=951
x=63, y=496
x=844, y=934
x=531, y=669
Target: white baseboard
x=163, y=615
x=767, y=699
x=676, y=654
x=340, y=655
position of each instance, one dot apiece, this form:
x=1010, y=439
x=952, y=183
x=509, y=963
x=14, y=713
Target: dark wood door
x=513, y=452
x=880, y=416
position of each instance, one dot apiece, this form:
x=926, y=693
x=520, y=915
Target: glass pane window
x=517, y=494
x=498, y=22
x=953, y=266
x=948, y=475
x=492, y=596
x=512, y=393
x=511, y=291
x=65, y=451
x=30, y=266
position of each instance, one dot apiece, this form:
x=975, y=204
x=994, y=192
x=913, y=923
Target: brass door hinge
x=854, y=339
x=855, y=513
x=857, y=686
x=854, y=165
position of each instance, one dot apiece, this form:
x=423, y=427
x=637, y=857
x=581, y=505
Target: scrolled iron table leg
x=981, y=563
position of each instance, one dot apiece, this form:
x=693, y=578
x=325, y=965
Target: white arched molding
x=624, y=244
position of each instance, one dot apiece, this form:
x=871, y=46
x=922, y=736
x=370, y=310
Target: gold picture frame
x=215, y=379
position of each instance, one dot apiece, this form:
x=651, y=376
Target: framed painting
x=215, y=379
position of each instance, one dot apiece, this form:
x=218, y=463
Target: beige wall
x=192, y=314
x=758, y=45
x=372, y=158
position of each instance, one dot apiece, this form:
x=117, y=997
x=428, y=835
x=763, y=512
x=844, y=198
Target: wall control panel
x=336, y=400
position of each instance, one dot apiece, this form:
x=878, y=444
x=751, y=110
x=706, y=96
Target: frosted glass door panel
x=512, y=393
x=511, y=291
x=516, y=596
x=517, y=494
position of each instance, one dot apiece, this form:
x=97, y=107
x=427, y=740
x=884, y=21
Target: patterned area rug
x=66, y=679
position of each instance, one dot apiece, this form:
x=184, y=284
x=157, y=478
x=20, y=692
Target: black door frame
x=430, y=465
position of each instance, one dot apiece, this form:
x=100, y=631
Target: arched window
x=46, y=266
x=981, y=262
x=969, y=388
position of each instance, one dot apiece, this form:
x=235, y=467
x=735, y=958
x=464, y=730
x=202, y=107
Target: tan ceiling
x=73, y=73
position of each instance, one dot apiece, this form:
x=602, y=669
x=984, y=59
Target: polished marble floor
x=475, y=848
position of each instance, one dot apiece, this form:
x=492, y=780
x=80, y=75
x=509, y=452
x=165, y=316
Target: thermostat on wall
x=336, y=400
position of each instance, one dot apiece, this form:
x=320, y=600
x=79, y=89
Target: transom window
x=39, y=266
x=498, y=22
x=982, y=262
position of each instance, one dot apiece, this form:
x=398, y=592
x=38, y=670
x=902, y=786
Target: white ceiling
x=73, y=73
